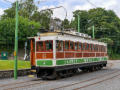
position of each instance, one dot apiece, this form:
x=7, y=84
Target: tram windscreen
x=43, y=46
x=40, y=46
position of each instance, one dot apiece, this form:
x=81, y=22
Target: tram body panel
x=56, y=52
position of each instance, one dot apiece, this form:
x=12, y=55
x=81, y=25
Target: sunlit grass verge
x=9, y=64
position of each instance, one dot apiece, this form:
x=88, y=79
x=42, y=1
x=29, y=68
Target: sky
x=69, y=5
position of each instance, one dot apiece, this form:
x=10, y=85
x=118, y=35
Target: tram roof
x=52, y=34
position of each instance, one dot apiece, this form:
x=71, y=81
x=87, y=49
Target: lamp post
x=93, y=31
x=16, y=43
x=16, y=40
x=78, y=23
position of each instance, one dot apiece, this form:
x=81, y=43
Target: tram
x=60, y=54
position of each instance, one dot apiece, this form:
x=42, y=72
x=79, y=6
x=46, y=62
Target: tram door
x=32, y=52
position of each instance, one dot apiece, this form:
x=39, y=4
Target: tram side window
x=59, y=45
x=90, y=47
x=93, y=47
x=87, y=47
x=80, y=46
x=71, y=45
x=76, y=46
x=105, y=49
x=66, y=45
x=40, y=46
x=83, y=48
x=49, y=45
x=99, y=48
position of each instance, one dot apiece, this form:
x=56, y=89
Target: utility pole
x=93, y=31
x=78, y=23
x=16, y=43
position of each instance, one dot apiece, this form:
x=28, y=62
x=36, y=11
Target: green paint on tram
x=70, y=61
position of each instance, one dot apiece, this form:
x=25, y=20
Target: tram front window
x=40, y=46
x=44, y=46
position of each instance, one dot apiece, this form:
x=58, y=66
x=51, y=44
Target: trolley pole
x=78, y=23
x=93, y=32
x=16, y=43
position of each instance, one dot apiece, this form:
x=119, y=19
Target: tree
x=43, y=17
x=27, y=28
x=66, y=24
x=26, y=9
x=83, y=19
x=106, y=22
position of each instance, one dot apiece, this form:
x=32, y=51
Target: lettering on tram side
x=71, y=61
x=86, y=60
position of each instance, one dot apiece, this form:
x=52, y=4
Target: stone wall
x=10, y=73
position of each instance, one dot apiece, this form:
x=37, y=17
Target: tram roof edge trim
x=64, y=33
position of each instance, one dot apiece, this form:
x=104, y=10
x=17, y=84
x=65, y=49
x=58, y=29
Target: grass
x=9, y=64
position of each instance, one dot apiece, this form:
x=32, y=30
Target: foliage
x=83, y=19
x=66, y=24
x=43, y=17
x=27, y=28
x=106, y=40
x=107, y=26
x=26, y=9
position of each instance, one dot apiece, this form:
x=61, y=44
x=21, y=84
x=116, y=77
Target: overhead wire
x=8, y=1
x=91, y=3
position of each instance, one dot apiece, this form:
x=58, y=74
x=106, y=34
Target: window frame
x=76, y=43
x=79, y=49
x=62, y=47
x=70, y=46
x=44, y=46
x=65, y=46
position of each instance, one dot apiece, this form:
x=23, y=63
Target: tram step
x=33, y=70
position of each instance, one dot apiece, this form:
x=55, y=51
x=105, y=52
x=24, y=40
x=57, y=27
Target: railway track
x=91, y=79
x=97, y=82
x=29, y=83
x=69, y=85
x=24, y=84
